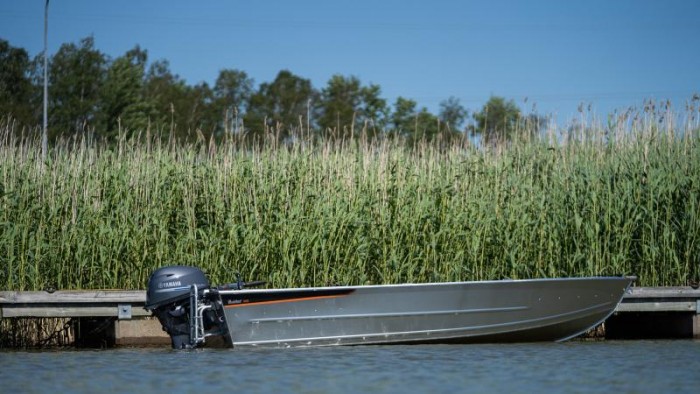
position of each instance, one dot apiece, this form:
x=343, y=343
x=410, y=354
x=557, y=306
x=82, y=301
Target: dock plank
x=68, y=311
x=676, y=306
x=662, y=292
x=71, y=303
x=72, y=296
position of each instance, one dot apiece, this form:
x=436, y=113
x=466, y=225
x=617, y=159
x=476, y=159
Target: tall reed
x=623, y=198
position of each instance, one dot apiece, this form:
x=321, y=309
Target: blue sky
x=609, y=54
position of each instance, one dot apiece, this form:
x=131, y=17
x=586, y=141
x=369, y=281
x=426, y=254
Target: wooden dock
x=656, y=312
x=118, y=317
x=99, y=318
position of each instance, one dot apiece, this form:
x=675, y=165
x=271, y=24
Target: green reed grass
x=616, y=199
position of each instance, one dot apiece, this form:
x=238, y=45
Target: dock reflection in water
x=576, y=366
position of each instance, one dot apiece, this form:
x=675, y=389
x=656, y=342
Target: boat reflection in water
x=461, y=312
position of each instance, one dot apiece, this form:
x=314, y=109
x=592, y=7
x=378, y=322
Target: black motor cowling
x=168, y=296
x=171, y=284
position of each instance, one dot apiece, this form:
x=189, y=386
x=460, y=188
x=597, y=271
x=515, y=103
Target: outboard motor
x=171, y=294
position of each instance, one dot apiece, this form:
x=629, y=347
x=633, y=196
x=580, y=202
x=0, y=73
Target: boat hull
x=463, y=312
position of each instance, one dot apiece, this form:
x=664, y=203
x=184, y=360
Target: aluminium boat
x=191, y=310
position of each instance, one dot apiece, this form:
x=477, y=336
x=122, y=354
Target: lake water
x=571, y=367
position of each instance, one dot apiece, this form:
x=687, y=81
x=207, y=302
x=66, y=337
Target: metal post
x=194, y=321
x=44, y=135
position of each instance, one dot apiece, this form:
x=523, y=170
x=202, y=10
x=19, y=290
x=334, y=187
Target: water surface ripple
x=571, y=367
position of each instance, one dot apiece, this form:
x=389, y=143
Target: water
x=571, y=367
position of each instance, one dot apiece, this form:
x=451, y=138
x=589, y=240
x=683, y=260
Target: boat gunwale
x=629, y=279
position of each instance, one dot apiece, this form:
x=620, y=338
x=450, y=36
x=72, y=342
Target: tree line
x=91, y=93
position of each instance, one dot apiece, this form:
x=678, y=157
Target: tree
x=180, y=110
x=374, y=110
x=15, y=84
x=281, y=104
x=427, y=126
x=497, y=121
x=346, y=104
x=201, y=115
x=402, y=117
x=232, y=92
x=122, y=101
x=164, y=89
x=76, y=75
x=452, y=114
x=412, y=124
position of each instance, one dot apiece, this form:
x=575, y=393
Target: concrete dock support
x=140, y=332
x=105, y=332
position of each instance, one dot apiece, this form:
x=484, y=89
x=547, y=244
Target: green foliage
x=233, y=88
x=232, y=92
x=348, y=108
x=122, y=102
x=622, y=200
x=426, y=126
x=419, y=126
x=93, y=94
x=403, y=115
x=498, y=120
x=325, y=208
x=15, y=84
x=452, y=114
x=76, y=75
x=181, y=111
x=281, y=106
x=167, y=91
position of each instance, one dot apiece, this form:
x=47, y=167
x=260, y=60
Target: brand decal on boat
x=169, y=284
x=274, y=297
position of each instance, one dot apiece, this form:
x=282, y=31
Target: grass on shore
x=604, y=200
